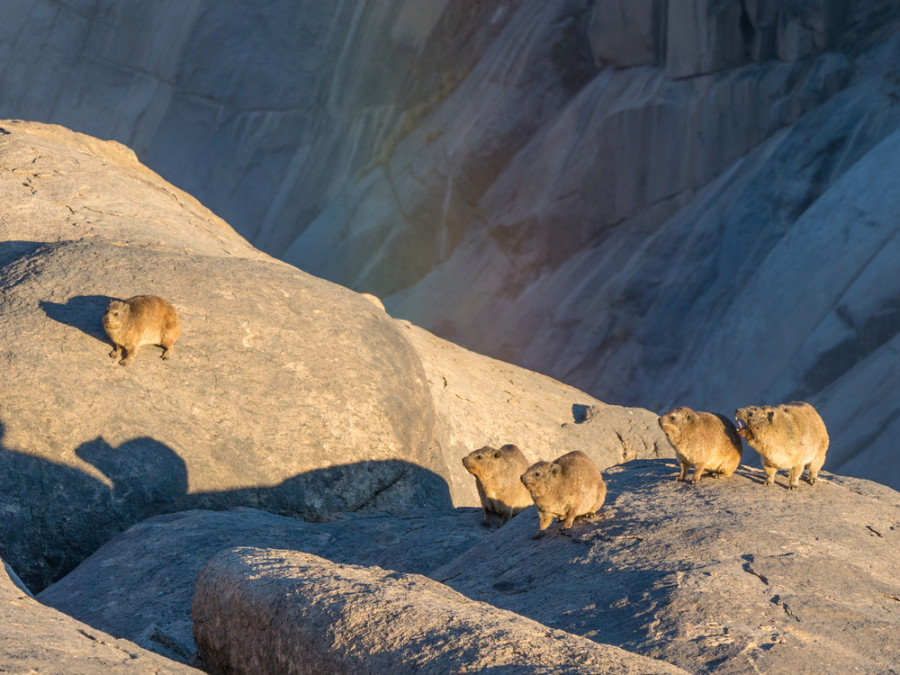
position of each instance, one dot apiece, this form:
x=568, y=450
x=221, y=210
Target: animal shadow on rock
x=12, y=250
x=54, y=516
x=57, y=515
x=84, y=312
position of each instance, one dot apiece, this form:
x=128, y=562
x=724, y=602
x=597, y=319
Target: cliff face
x=659, y=202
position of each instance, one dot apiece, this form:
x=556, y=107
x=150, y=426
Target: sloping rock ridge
x=284, y=392
x=659, y=202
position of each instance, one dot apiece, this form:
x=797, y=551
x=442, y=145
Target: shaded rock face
x=285, y=392
x=36, y=638
x=343, y=618
x=725, y=576
x=600, y=191
x=139, y=586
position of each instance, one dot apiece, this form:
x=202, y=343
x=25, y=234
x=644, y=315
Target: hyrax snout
x=497, y=473
x=566, y=488
x=141, y=320
x=788, y=436
x=706, y=441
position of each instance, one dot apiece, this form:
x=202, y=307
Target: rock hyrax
x=788, y=436
x=497, y=475
x=141, y=320
x=703, y=440
x=565, y=488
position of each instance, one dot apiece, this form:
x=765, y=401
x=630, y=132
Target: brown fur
x=141, y=320
x=703, y=440
x=497, y=475
x=569, y=487
x=788, y=436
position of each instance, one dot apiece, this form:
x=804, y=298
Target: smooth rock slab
x=270, y=611
x=139, y=585
x=726, y=576
x=39, y=639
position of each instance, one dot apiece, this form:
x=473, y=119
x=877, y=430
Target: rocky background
x=658, y=202
x=655, y=201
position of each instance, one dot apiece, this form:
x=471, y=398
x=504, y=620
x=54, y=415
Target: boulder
x=139, y=585
x=284, y=392
x=481, y=401
x=725, y=576
x=39, y=639
x=275, y=611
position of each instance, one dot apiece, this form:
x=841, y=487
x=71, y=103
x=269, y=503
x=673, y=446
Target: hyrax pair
x=789, y=436
x=566, y=488
x=141, y=320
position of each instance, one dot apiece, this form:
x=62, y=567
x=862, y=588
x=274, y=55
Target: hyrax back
x=497, y=475
x=141, y=320
x=787, y=436
x=706, y=441
x=564, y=489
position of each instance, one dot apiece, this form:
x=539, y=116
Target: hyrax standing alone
x=565, y=488
x=705, y=440
x=788, y=436
x=141, y=320
x=497, y=475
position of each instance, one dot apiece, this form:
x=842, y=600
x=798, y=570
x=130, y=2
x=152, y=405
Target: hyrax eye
x=479, y=457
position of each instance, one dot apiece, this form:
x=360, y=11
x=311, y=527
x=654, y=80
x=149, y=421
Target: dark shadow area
x=579, y=412
x=13, y=250
x=54, y=516
x=84, y=312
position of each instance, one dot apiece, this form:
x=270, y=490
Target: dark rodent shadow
x=579, y=412
x=55, y=516
x=13, y=250
x=84, y=312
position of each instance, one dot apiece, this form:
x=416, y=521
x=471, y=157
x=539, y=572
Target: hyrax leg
x=770, y=474
x=168, y=344
x=116, y=352
x=814, y=471
x=685, y=465
x=569, y=519
x=130, y=351
x=698, y=472
x=794, y=481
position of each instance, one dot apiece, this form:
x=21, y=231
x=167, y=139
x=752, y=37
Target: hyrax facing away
x=788, y=436
x=705, y=440
x=564, y=489
x=141, y=320
x=497, y=475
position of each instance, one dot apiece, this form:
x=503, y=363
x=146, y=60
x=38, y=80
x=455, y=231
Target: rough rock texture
x=725, y=576
x=38, y=639
x=271, y=611
x=139, y=585
x=482, y=401
x=619, y=194
x=285, y=392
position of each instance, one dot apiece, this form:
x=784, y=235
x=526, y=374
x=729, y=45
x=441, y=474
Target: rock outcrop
x=36, y=639
x=270, y=611
x=598, y=191
x=139, y=586
x=725, y=576
x=285, y=392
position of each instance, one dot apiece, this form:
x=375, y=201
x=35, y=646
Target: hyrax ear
x=498, y=454
x=689, y=415
x=771, y=416
x=555, y=470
